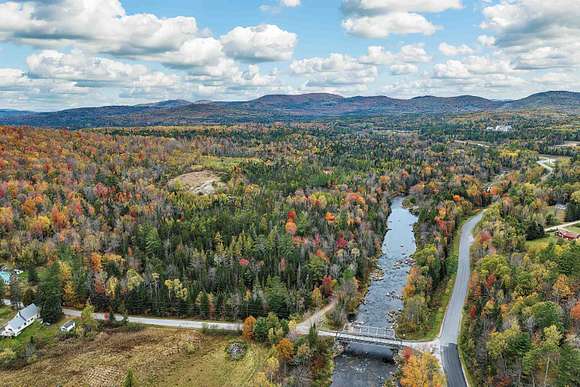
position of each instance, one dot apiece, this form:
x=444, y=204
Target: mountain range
x=283, y=108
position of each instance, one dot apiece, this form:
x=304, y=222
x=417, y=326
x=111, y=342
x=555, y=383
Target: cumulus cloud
x=260, y=43
x=103, y=26
x=381, y=18
x=538, y=34
x=18, y=90
x=486, y=40
x=472, y=66
x=381, y=26
x=404, y=69
x=334, y=70
x=253, y=78
x=277, y=8
x=290, y=3
x=100, y=25
x=93, y=71
x=73, y=79
x=373, y=7
x=411, y=53
x=451, y=50
x=78, y=71
x=199, y=52
x=451, y=69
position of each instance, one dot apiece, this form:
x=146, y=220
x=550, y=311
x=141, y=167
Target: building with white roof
x=23, y=319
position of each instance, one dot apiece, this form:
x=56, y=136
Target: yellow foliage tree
x=422, y=370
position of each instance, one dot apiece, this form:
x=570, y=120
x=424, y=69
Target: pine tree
x=15, y=292
x=28, y=297
x=32, y=275
x=50, y=295
x=130, y=380
x=204, y=305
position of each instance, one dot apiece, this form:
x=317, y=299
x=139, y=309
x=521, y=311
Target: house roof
x=567, y=234
x=28, y=312
x=16, y=323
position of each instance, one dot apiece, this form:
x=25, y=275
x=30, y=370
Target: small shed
x=68, y=326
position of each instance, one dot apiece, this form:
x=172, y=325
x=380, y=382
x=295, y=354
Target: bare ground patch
x=199, y=182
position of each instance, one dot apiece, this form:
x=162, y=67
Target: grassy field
x=37, y=331
x=539, y=244
x=210, y=367
x=6, y=313
x=157, y=356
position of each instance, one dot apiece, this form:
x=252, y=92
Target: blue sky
x=65, y=53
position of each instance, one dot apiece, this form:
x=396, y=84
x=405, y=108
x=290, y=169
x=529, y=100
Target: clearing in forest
x=203, y=182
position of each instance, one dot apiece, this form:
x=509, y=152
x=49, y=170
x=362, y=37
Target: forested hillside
x=288, y=108
x=298, y=211
x=286, y=219
x=523, y=315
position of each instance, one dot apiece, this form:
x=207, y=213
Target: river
x=367, y=365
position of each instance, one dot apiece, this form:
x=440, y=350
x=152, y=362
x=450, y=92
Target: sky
x=57, y=54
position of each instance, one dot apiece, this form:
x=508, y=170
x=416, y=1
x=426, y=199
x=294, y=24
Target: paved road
x=316, y=319
x=562, y=226
x=547, y=163
x=452, y=322
x=171, y=323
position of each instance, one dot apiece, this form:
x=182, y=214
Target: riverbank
x=366, y=365
x=442, y=294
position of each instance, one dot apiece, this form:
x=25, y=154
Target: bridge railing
x=368, y=331
x=368, y=334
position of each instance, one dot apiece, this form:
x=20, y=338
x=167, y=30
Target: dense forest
x=299, y=211
x=294, y=217
x=523, y=315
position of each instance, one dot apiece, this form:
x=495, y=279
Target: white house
x=23, y=319
x=499, y=128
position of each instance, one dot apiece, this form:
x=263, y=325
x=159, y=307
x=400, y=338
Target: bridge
x=354, y=333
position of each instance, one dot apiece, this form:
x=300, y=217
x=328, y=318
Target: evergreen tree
x=204, y=305
x=130, y=380
x=50, y=295
x=32, y=275
x=15, y=292
x=2, y=290
x=277, y=296
x=261, y=329
x=572, y=211
x=28, y=297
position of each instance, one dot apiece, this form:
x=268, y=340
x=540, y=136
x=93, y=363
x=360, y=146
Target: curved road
x=446, y=342
x=452, y=322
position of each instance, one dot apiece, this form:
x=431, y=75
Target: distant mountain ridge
x=281, y=107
